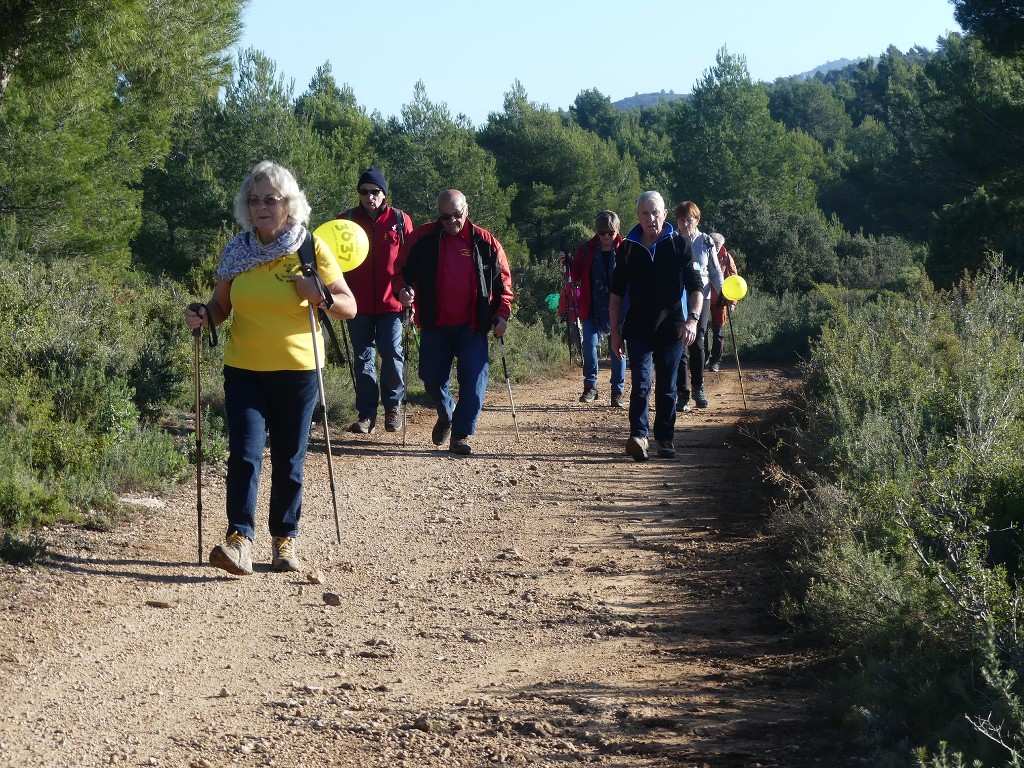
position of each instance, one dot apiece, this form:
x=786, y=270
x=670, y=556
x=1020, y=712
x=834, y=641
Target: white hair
x=283, y=181
x=651, y=195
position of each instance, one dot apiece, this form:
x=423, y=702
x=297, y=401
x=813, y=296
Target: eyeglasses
x=270, y=201
x=370, y=192
x=608, y=233
x=452, y=216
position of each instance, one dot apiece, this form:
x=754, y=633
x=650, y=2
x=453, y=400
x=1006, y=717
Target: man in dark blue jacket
x=654, y=266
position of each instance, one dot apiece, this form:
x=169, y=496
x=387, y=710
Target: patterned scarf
x=245, y=251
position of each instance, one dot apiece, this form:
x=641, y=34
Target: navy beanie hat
x=375, y=177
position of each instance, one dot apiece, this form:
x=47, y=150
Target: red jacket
x=371, y=280
x=582, y=299
x=419, y=267
x=728, y=266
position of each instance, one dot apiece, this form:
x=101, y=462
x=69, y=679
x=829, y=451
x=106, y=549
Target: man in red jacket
x=377, y=326
x=456, y=275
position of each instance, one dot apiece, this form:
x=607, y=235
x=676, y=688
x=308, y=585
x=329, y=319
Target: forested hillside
x=125, y=130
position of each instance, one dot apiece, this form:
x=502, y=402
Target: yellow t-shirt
x=270, y=330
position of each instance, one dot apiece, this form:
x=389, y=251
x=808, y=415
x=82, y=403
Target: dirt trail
x=546, y=602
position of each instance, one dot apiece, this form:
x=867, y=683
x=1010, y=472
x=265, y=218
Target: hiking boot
x=637, y=447
x=442, y=430
x=286, y=558
x=714, y=366
x=392, y=420
x=459, y=445
x=666, y=450
x=618, y=399
x=589, y=394
x=234, y=555
x=700, y=398
x=363, y=426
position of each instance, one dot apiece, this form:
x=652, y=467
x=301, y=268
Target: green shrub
x=26, y=502
x=531, y=352
x=907, y=533
x=147, y=459
x=81, y=392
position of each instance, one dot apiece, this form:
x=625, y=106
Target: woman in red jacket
x=591, y=272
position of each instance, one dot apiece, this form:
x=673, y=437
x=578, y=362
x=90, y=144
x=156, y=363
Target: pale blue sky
x=468, y=54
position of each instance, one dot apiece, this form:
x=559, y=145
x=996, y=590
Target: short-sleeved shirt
x=270, y=326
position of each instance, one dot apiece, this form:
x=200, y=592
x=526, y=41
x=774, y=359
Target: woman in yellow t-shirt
x=270, y=379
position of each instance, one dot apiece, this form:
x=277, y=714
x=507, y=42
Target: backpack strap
x=400, y=225
x=307, y=257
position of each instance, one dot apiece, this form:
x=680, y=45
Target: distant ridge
x=644, y=100
x=824, y=68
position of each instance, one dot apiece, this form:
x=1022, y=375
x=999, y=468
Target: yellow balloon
x=347, y=241
x=734, y=288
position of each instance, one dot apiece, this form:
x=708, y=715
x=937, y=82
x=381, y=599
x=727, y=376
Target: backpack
x=307, y=257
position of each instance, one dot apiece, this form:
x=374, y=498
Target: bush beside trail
x=908, y=483
x=90, y=365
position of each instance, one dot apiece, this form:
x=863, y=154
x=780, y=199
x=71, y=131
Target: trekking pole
x=351, y=360
x=323, y=405
x=508, y=381
x=736, y=352
x=197, y=334
x=406, y=321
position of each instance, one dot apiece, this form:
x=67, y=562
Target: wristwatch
x=695, y=316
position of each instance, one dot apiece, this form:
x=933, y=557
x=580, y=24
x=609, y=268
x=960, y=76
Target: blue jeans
x=256, y=402
x=373, y=335
x=591, y=351
x=662, y=360
x=440, y=346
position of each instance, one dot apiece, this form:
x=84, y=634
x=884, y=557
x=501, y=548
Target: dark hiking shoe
x=589, y=394
x=234, y=555
x=666, y=450
x=700, y=398
x=286, y=558
x=363, y=426
x=459, y=445
x=392, y=420
x=618, y=400
x=715, y=366
x=683, y=401
x=637, y=448
x=442, y=430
